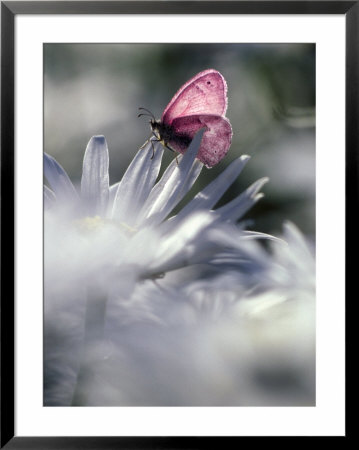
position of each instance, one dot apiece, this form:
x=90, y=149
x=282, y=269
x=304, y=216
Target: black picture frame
x=9, y=10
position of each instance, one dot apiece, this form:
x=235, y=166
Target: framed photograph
x=174, y=183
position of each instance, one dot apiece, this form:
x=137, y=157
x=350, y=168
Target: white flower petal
x=112, y=196
x=235, y=209
x=58, y=179
x=209, y=196
x=49, y=197
x=137, y=183
x=248, y=234
x=168, y=173
x=295, y=239
x=95, y=178
x=184, y=247
x=296, y=257
x=174, y=184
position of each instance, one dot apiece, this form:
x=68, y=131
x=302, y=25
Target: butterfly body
x=167, y=135
x=199, y=103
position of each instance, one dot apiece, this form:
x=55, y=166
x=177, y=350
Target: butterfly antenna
x=149, y=113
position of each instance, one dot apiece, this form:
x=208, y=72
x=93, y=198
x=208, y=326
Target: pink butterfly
x=199, y=103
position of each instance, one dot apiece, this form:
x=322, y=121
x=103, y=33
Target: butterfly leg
x=144, y=145
x=171, y=149
x=153, y=149
x=167, y=146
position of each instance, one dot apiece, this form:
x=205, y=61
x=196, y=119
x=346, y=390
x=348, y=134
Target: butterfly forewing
x=205, y=93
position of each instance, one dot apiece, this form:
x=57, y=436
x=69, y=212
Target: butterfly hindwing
x=216, y=139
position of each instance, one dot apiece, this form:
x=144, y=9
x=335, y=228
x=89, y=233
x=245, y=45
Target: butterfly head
x=163, y=132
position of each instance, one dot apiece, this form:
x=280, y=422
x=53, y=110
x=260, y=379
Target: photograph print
x=179, y=225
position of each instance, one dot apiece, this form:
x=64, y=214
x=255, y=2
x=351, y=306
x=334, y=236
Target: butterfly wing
x=205, y=93
x=216, y=139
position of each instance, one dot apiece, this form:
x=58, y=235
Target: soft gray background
x=97, y=88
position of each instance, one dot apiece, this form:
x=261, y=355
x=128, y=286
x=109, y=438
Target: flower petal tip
x=98, y=140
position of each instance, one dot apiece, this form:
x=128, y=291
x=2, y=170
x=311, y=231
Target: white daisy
x=102, y=244
x=245, y=337
x=128, y=224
